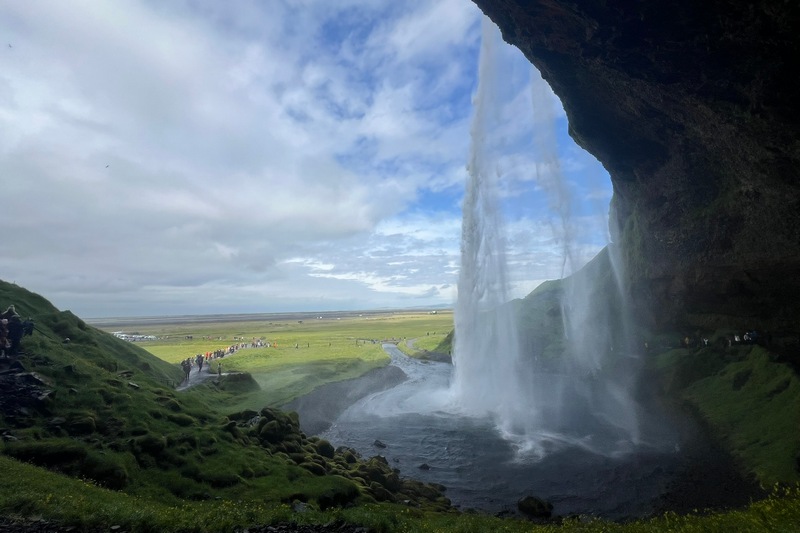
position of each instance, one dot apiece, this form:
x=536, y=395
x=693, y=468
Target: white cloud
x=195, y=157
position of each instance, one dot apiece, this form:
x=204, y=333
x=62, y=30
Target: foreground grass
x=30, y=491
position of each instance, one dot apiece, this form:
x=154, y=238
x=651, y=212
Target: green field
x=303, y=353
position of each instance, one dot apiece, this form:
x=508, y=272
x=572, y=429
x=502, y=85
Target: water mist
x=583, y=398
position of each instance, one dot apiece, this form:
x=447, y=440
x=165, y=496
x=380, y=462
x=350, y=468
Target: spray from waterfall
x=485, y=330
x=538, y=406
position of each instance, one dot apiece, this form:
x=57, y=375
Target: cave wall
x=692, y=108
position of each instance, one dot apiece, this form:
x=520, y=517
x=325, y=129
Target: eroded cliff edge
x=692, y=108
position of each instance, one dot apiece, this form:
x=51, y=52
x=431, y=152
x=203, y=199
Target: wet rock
x=46, y=397
x=424, y=466
x=32, y=378
x=378, y=444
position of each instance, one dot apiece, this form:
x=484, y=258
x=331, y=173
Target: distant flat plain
x=305, y=349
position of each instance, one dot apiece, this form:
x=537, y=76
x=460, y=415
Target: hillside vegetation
x=95, y=434
x=106, y=411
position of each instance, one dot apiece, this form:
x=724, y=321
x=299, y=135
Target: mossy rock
x=82, y=426
x=350, y=458
x=47, y=453
x=238, y=382
x=233, y=430
x=325, y=448
x=392, y=482
x=319, y=460
x=170, y=403
x=380, y=493
x=181, y=419
x=105, y=472
x=243, y=416
x=343, y=494
x=150, y=444
x=298, y=458
x=272, y=432
x=314, y=468
x=421, y=491
x=291, y=446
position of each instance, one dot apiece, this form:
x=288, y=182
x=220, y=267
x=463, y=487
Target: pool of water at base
x=484, y=471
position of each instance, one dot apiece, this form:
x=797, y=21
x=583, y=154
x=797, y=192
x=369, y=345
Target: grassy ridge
x=751, y=401
x=105, y=410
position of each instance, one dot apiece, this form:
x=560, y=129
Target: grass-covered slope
x=750, y=400
x=102, y=409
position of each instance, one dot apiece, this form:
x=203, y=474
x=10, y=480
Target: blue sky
x=205, y=157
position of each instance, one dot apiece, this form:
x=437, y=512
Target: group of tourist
x=749, y=337
x=12, y=329
x=202, y=359
x=198, y=360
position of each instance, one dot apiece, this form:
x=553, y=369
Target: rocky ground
x=23, y=394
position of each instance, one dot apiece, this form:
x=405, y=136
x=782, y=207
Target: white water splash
x=484, y=331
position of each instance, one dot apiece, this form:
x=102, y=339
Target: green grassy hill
x=104, y=410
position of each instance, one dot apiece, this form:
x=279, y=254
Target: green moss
x=755, y=404
x=751, y=401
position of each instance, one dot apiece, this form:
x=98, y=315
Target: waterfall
x=486, y=336
x=582, y=398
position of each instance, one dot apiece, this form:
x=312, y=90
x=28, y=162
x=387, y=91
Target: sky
x=195, y=156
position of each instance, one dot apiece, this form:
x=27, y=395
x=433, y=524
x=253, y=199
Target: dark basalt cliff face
x=692, y=108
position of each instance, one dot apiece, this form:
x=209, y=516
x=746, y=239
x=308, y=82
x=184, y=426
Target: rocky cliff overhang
x=692, y=108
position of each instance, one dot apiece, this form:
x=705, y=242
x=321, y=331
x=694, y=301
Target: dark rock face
x=692, y=108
